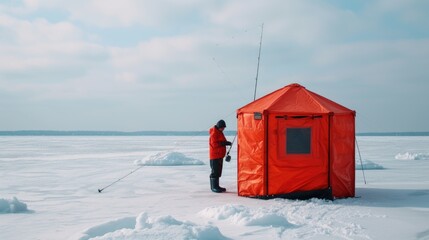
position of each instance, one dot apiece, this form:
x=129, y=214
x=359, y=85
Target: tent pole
x=360, y=158
x=329, y=149
x=266, y=152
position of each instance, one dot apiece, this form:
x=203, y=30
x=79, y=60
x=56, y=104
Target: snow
x=12, y=206
x=242, y=215
x=412, y=156
x=168, y=159
x=169, y=197
x=145, y=227
x=367, y=165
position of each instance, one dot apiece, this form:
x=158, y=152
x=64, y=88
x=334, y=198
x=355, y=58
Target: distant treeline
x=165, y=133
x=409, y=134
x=106, y=133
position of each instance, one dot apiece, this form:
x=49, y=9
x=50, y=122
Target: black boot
x=221, y=188
x=214, y=184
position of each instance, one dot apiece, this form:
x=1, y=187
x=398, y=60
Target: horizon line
x=168, y=133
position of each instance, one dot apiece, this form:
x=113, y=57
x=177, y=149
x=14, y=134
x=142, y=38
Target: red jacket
x=217, y=144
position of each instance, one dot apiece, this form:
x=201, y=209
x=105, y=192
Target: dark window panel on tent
x=298, y=141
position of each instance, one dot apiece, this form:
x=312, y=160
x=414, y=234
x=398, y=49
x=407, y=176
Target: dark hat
x=221, y=124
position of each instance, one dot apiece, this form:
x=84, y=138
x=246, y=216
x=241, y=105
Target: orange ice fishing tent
x=294, y=143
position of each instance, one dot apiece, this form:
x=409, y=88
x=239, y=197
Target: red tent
x=294, y=143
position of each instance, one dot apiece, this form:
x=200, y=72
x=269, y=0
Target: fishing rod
x=228, y=157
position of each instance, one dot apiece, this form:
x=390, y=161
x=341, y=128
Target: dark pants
x=216, y=166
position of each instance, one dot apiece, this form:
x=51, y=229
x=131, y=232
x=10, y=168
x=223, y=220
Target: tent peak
x=295, y=85
x=293, y=98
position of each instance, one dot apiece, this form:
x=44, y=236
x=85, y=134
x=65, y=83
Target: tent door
x=298, y=156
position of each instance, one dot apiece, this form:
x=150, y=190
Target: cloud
x=41, y=59
x=289, y=22
x=376, y=62
x=41, y=46
x=203, y=54
x=111, y=13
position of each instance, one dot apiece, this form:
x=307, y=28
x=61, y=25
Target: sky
x=170, y=65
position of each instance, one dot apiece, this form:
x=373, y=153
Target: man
x=218, y=145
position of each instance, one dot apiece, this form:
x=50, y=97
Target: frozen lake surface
x=48, y=190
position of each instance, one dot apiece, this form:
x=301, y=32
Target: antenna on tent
x=259, y=58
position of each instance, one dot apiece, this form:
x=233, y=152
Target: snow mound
x=242, y=215
x=12, y=206
x=288, y=219
x=145, y=227
x=367, y=165
x=108, y=227
x=412, y=156
x=168, y=159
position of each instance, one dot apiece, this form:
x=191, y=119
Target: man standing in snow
x=218, y=145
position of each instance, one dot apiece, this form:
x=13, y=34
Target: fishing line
x=228, y=157
x=238, y=37
x=100, y=190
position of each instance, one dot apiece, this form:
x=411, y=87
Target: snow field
x=284, y=219
x=169, y=197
